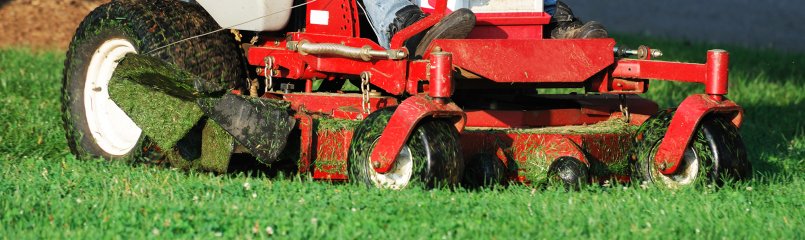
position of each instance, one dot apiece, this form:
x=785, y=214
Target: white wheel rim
x=400, y=173
x=114, y=132
x=686, y=174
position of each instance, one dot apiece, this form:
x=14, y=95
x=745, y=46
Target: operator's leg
x=550, y=6
x=566, y=25
x=390, y=16
x=382, y=14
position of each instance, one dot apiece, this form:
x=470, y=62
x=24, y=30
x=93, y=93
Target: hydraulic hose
x=366, y=53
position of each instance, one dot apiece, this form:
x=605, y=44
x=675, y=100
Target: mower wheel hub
x=400, y=173
x=686, y=173
x=112, y=129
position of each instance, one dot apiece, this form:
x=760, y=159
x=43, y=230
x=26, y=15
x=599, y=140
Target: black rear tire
x=433, y=148
x=147, y=25
x=716, y=154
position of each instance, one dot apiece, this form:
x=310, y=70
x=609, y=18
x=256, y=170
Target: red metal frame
x=343, y=19
x=518, y=25
x=504, y=50
x=684, y=125
x=544, y=61
x=403, y=122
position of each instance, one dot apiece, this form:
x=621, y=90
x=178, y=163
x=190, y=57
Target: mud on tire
x=145, y=25
x=433, y=152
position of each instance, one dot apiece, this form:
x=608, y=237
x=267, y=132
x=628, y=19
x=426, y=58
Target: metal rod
x=365, y=53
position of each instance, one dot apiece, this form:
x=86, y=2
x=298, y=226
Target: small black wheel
x=430, y=158
x=484, y=170
x=95, y=126
x=715, y=155
x=570, y=172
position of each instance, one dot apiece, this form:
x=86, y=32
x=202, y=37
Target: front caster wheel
x=715, y=155
x=569, y=172
x=430, y=158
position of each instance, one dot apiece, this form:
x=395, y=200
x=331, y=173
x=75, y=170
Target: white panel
x=490, y=6
x=251, y=15
x=319, y=17
x=496, y=6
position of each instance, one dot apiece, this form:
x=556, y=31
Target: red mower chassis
x=479, y=85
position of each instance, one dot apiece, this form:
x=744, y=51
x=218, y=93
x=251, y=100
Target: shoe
x=564, y=25
x=405, y=17
x=456, y=25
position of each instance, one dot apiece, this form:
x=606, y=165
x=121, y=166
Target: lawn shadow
x=768, y=133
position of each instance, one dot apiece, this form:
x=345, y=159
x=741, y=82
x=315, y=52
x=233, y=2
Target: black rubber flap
x=261, y=125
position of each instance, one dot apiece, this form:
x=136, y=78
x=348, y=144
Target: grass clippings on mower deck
x=334, y=124
x=610, y=126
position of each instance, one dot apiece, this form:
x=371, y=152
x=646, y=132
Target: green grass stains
x=335, y=136
x=334, y=124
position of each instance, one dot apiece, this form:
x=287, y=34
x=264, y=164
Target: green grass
x=46, y=193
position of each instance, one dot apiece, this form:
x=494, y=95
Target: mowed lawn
x=46, y=193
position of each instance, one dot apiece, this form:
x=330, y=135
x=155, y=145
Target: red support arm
x=403, y=122
x=649, y=69
x=714, y=74
x=684, y=125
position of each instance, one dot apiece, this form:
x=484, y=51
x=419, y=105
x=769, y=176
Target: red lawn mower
x=305, y=84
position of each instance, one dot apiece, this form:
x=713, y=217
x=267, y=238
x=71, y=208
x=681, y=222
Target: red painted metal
x=398, y=40
x=389, y=75
x=685, y=123
x=504, y=49
x=338, y=105
x=403, y=122
x=417, y=72
x=441, y=75
x=660, y=70
x=528, y=153
x=332, y=149
x=524, y=61
x=520, y=119
x=589, y=110
x=305, y=125
x=517, y=25
x=713, y=74
x=342, y=18
x=717, y=78
x=308, y=86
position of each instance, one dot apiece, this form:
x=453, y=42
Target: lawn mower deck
x=482, y=85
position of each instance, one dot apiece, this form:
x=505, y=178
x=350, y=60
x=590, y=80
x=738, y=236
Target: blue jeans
x=382, y=13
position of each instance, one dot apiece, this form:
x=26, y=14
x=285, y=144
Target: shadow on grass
x=771, y=135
